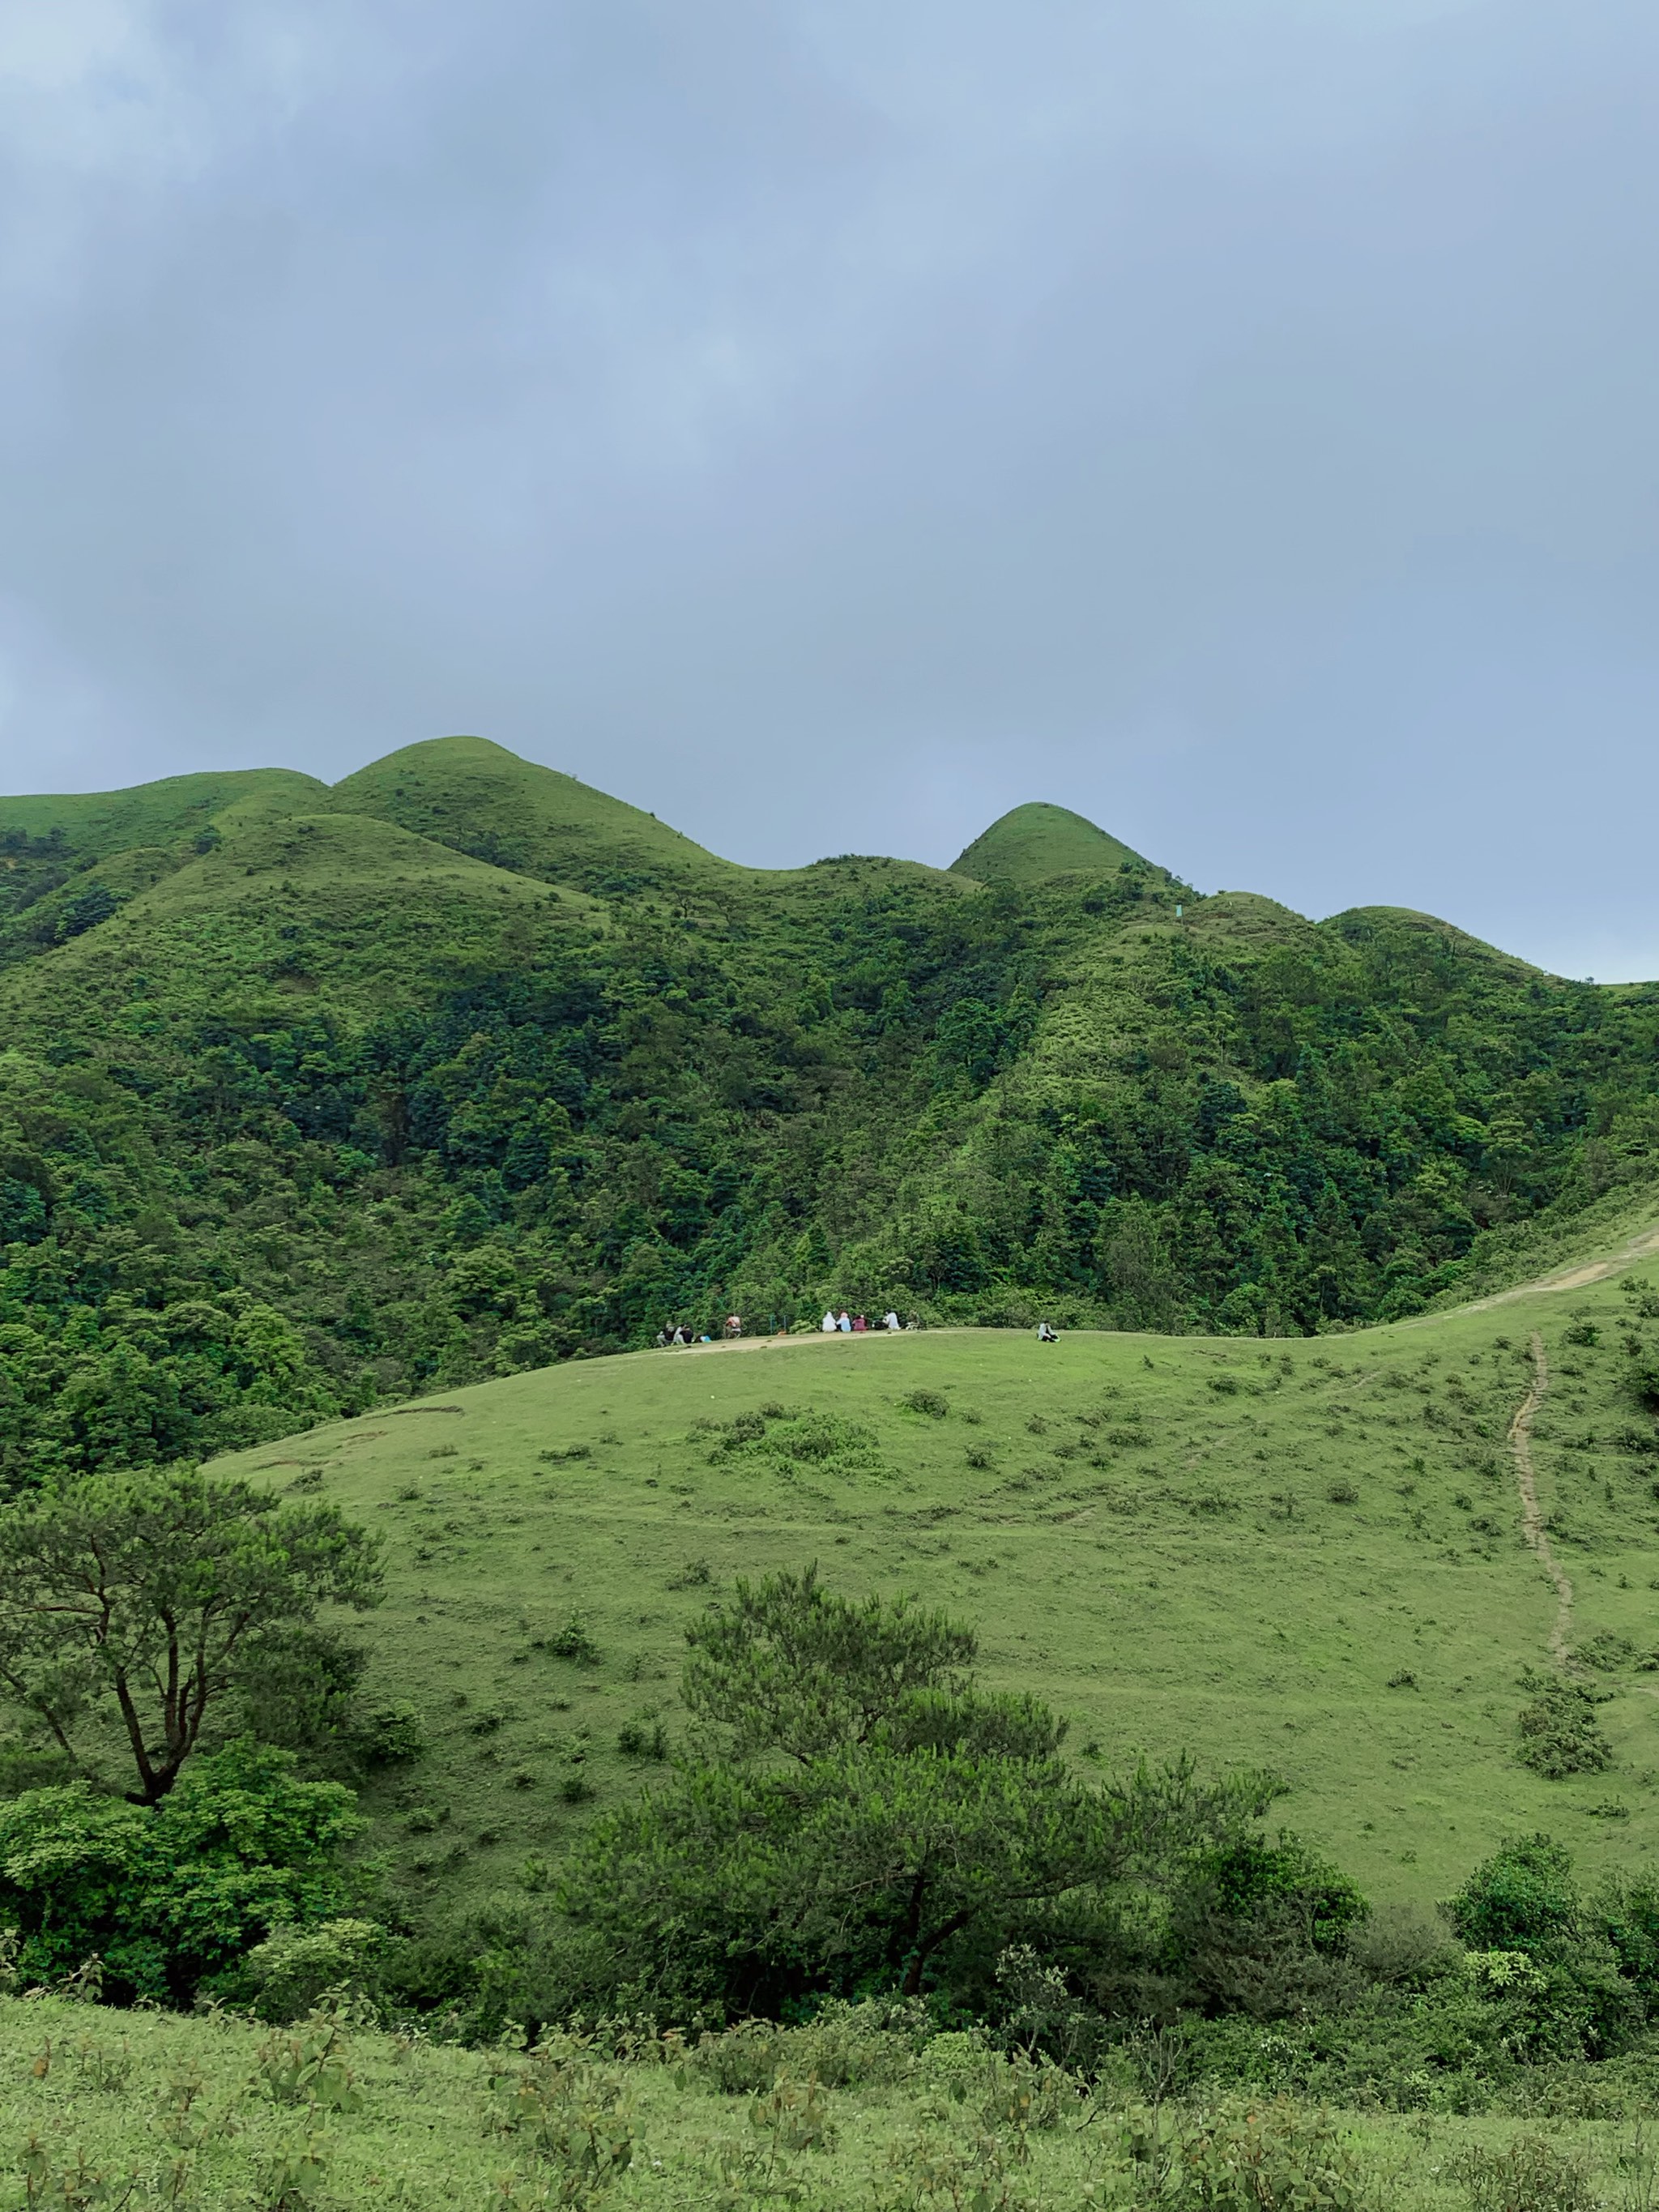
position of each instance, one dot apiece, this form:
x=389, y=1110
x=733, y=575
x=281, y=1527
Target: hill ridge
x=1038, y=840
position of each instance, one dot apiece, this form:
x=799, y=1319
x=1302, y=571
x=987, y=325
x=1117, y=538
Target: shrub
x=390, y=1736
x=1276, y=2161
x=573, y=1641
x=172, y=1895
x=294, y=1967
x=929, y=1402
x=1403, y=1946
x=1560, y=1735
x=1523, y=1897
x=637, y=1740
x=1261, y=1925
x=813, y=1438
x=572, y=2117
x=1342, y=1493
x=843, y=2046
x=1607, y=1652
x=1528, y=2175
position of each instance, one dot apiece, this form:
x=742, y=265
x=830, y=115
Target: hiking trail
x=1532, y=1520
x=1576, y=1275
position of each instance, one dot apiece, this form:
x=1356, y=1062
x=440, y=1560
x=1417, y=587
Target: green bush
x=1560, y=1735
x=572, y=1641
x=1523, y=1899
x=390, y=1736
x=172, y=1895
x=1262, y=1925
x=642, y=1739
x=843, y=2045
x=1528, y=2175
x=1582, y=1993
x=297, y=1966
x=1277, y=2160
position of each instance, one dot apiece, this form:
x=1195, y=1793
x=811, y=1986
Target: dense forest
x=311, y=1098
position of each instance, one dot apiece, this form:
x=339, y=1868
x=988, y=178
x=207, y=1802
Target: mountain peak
x=1037, y=841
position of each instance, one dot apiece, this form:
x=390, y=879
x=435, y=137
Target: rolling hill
x=1036, y=841
x=1312, y=1558
x=483, y=800
x=313, y=1098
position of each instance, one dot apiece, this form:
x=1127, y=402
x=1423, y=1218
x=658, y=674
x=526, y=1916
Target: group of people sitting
x=682, y=1332
x=833, y=1324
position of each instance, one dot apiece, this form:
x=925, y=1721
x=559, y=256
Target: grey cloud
x=830, y=425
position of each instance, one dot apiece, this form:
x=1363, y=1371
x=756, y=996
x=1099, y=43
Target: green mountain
x=1037, y=841
x=310, y=1098
x=483, y=800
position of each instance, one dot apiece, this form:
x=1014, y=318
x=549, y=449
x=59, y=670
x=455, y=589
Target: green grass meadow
x=132, y=2109
x=1224, y=1546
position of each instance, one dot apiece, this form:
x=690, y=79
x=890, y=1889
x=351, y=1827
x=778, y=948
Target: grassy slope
x=1356, y=923
x=102, y=2090
x=100, y=822
x=468, y=791
x=481, y=798
x=358, y=911
x=1160, y=1592
x=1034, y=842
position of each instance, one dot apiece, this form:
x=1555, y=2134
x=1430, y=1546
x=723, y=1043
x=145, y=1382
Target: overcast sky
x=830, y=422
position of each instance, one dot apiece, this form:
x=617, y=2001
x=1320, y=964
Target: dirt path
x=1641, y=1246
x=1531, y=1519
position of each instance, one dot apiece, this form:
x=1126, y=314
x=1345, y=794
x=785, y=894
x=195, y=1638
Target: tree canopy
x=140, y=1599
x=860, y=1810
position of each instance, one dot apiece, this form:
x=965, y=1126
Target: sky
x=830, y=423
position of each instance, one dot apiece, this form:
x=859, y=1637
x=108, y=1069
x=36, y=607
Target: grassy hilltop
x=1033, y=842
x=1307, y=1557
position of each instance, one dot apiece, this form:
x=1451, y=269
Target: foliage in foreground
x=162, y=1901
x=859, y=2108
x=861, y=1815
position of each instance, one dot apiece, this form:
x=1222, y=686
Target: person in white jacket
x=889, y=1321
x=828, y=1324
